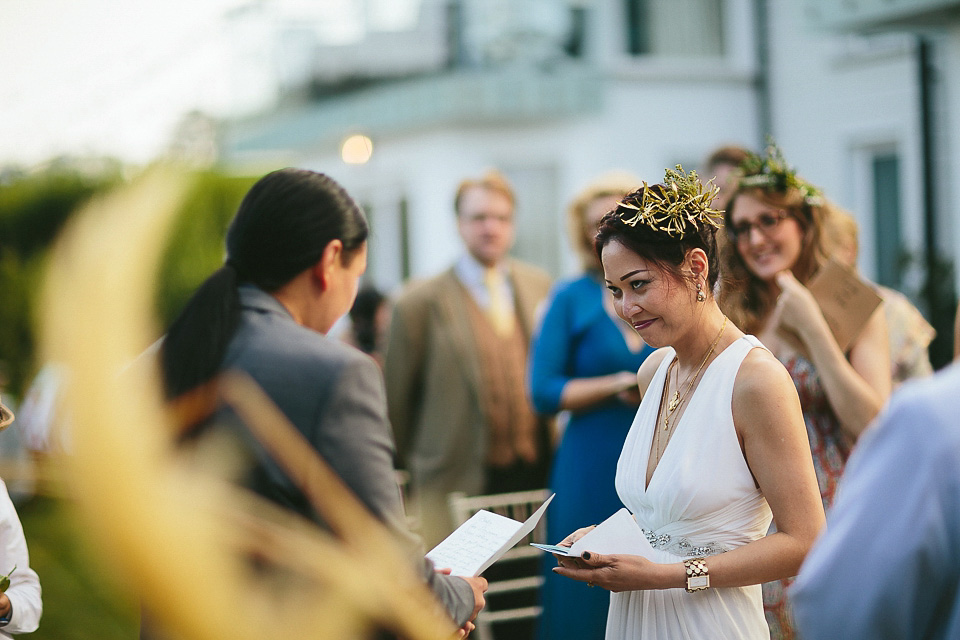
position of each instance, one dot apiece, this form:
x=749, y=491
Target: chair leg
x=484, y=630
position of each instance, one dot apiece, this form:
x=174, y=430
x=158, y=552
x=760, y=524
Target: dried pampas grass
x=215, y=562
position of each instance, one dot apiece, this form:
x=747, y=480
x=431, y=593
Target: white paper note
x=481, y=541
x=619, y=533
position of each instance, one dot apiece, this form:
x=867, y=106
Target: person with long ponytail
x=295, y=252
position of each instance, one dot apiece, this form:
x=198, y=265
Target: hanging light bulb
x=356, y=149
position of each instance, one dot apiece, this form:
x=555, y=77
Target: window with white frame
x=679, y=28
x=885, y=176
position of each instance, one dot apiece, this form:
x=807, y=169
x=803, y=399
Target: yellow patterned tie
x=500, y=310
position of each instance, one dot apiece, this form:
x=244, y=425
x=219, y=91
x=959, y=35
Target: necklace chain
x=679, y=398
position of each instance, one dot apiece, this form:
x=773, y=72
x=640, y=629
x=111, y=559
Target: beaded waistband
x=680, y=546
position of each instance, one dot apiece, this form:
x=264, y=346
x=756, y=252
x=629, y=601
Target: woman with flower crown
x=584, y=360
x=775, y=227
x=717, y=446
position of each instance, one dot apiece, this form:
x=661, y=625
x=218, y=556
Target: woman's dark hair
x=282, y=227
x=363, y=315
x=745, y=298
x=664, y=250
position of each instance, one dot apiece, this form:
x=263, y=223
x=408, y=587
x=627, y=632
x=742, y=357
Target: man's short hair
x=731, y=154
x=492, y=180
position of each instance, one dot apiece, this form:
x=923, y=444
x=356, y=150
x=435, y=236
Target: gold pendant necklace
x=674, y=401
x=677, y=398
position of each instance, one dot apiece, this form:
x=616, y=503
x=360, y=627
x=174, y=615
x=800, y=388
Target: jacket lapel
x=526, y=301
x=454, y=313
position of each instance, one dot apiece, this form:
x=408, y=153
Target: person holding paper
x=909, y=332
x=717, y=446
x=777, y=241
x=455, y=365
x=584, y=360
x=295, y=252
x=21, y=602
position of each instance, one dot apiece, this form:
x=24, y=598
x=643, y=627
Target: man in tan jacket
x=455, y=366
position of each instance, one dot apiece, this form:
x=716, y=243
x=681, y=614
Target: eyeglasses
x=766, y=222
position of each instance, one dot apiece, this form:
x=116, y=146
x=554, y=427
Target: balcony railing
x=872, y=15
x=509, y=95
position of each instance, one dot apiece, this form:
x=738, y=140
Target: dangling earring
x=701, y=296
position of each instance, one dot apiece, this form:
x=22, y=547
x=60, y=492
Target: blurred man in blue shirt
x=888, y=565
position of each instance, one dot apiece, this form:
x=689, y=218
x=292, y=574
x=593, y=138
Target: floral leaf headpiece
x=683, y=204
x=772, y=173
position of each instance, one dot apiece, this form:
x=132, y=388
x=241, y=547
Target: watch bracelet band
x=7, y=617
x=696, y=568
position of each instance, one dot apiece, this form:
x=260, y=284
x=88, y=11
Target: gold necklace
x=678, y=398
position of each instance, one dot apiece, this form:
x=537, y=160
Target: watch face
x=698, y=582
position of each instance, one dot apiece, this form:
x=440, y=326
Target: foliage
x=81, y=599
x=33, y=210
x=19, y=282
x=772, y=173
x=196, y=247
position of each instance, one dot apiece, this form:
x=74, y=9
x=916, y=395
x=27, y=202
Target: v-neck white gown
x=702, y=500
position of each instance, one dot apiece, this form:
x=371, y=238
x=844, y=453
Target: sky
x=114, y=77
x=105, y=77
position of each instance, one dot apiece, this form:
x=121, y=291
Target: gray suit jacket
x=334, y=395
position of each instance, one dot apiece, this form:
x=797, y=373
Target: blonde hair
x=842, y=235
x=614, y=183
x=492, y=180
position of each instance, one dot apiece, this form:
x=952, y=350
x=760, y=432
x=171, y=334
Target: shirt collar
x=253, y=297
x=471, y=271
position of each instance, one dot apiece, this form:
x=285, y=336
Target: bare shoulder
x=649, y=367
x=764, y=396
x=760, y=376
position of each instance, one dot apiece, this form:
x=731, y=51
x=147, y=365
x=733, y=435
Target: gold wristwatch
x=698, y=576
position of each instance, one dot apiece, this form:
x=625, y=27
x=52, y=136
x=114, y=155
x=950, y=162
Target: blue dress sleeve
x=550, y=353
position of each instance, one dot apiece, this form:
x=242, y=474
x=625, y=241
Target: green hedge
x=80, y=602
x=196, y=246
x=33, y=210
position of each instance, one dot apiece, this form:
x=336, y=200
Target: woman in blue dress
x=584, y=362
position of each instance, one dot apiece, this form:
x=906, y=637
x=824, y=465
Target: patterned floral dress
x=830, y=446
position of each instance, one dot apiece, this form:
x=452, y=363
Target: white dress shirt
x=471, y=273
x=24, y=590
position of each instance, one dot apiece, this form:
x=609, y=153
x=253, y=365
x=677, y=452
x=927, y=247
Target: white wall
x=655, y=113
x=950, y=185
x=645, y=126
x=836, y=98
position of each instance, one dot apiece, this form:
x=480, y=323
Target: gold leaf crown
x=772, y=173
x=681, y=203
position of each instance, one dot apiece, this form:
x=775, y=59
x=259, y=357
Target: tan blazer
x=434, y=386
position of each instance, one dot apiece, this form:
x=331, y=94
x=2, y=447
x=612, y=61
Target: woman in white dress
x=718, y=445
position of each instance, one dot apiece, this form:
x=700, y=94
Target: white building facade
x=557, y=92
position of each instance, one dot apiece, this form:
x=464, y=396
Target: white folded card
x=481, y=541
x=619, y=533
